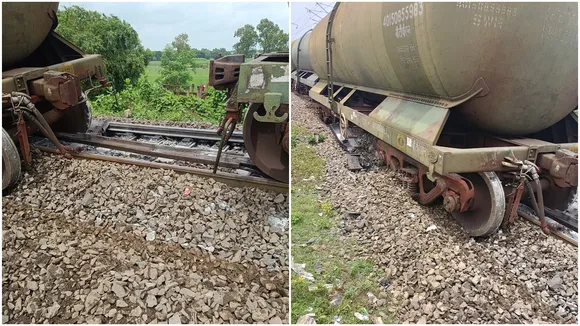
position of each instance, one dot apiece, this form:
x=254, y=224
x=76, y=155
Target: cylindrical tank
x=24, y=26
x=304, y=57
x=526, y=53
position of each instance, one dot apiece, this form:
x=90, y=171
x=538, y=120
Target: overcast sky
x=305, y=15
x=209, y=25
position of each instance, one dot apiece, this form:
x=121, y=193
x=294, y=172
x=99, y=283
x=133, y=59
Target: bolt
x=450, y=204
x=432, y=158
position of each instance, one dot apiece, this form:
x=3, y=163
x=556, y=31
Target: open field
x=200, y=76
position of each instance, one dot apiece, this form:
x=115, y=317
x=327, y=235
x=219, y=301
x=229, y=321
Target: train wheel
x=11, y=165
x=488, y=208
x=76, y=119
x=264, y=143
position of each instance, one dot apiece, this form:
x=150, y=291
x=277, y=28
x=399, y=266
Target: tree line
x=126, y=58
x=199, y=53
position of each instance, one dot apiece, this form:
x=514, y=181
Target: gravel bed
x=443, y=275
x=91, y=241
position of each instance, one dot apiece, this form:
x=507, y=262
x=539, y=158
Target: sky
x=305, y=15
x=208, y=24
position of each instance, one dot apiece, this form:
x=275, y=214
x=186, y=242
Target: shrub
x=148, y=100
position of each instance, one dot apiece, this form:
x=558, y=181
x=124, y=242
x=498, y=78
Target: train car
x=41, y=82
x=473, y=104
x=303, y=76
x=262, y=85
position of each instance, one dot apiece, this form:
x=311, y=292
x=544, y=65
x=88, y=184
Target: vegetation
x=148, y=100
x=248, y=40
x=267, y=34
x=138, y=74
x=271, y=37
x=342, y=281
x=113, y=38
x=177, y=62
x=199, y=53
x=199, y=76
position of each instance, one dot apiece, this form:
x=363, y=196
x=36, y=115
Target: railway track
x=557, y=230
x=105, y=134
x=111, y=127
x=227, y=178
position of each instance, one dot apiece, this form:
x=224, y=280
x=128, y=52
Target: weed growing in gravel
x=316, y=139
x=327, y=209
x=342, y=280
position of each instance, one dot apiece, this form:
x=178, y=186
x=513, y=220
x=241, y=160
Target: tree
x=271, y=37
x=177, y=62
x=203, y=53
x=217, y=52
x=248, y=40
x=148, y=56
x=180, y=43
x=109, y=36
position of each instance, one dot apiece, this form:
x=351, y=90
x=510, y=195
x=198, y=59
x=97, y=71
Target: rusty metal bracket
x=225, y=71
x=563, y=167
x=272, y=102
x=513, y=202
x=426, y=198
x=23, y=141
x=459, y=194
x=62, y=89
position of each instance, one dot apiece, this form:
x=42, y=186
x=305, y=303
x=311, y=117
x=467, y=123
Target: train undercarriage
x=43, y=94
x=481, y=179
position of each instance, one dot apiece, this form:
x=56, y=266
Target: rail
x=227, y=178
x=175, y=132
x=193, y=155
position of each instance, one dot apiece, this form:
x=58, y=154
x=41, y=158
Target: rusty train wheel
x=488, y=208
x=11, y=165
x=264, y=143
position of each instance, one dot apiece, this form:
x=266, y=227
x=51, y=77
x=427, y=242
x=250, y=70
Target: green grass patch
x=342, y=280
x=199, y=76
x=306, y=164
x=153, y=70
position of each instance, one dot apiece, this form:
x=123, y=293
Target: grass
x=337, y=270
x=200, y=76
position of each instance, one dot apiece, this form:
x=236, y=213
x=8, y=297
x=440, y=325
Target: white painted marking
x=257, y=78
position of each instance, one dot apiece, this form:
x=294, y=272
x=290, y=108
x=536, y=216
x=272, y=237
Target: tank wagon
x=262, y=85
x=471, y=103
x=41, y=82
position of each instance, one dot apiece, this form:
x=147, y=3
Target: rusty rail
x=555, y=233
x=194, y=155
x=176, y=132
x=227, y=178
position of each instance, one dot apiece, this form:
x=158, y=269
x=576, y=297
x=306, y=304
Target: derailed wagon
x=471, y=103
x=263, y=85
x=41, y=83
